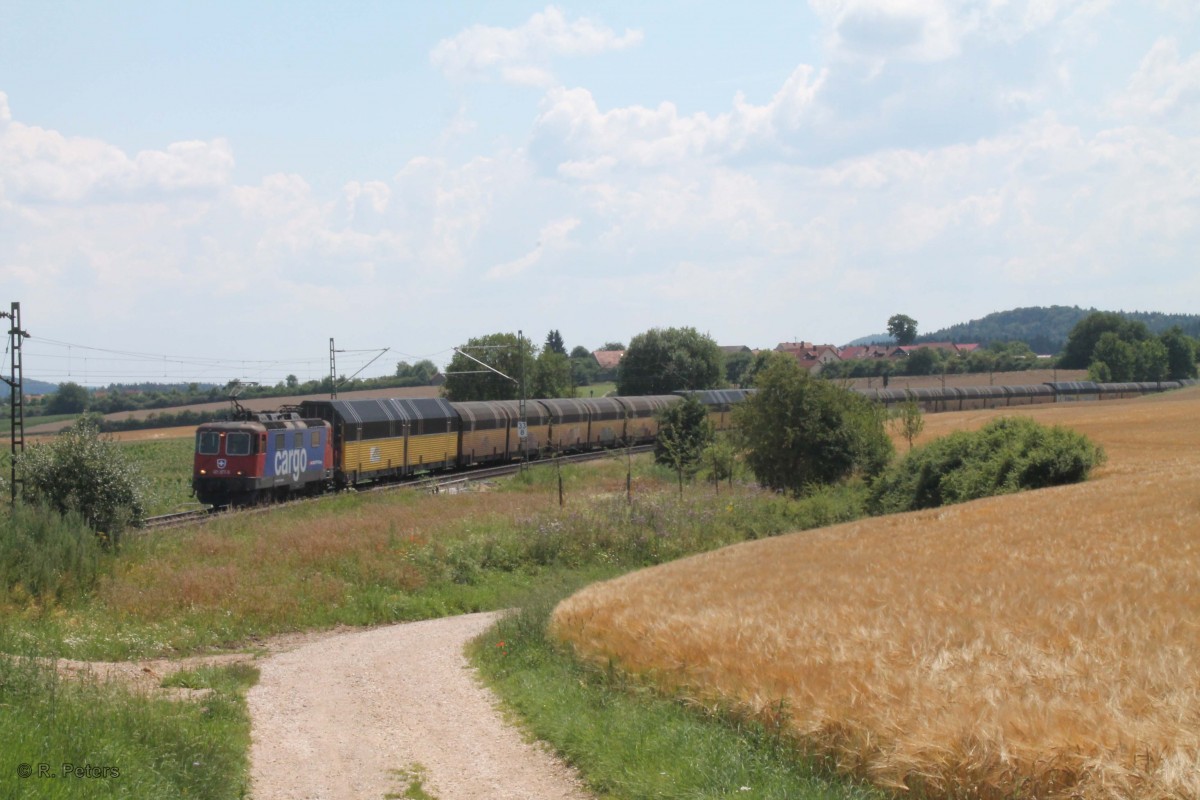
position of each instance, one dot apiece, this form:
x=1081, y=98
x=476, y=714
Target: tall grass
x=371, y=559
x=91, y=739
x=46, y=557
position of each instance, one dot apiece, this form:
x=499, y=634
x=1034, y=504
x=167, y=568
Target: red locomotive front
x=229, y=460
x=269, y=457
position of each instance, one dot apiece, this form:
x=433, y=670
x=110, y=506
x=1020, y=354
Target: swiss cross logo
x=221, y=463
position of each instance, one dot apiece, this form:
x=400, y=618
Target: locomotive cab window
x=208, y=443
x=237, y=444
x=316, y=438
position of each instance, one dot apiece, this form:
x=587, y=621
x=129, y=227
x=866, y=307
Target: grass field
x=1040, y=645
x=166, y=465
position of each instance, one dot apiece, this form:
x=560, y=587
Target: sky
x=212, y=191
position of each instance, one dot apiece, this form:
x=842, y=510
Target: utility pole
x=332, y=371
x=523, y=428
x=16, y=384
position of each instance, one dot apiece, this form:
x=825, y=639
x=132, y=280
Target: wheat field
x=1038, y=645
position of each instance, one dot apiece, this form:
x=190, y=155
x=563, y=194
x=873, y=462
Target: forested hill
x=31, y=387
x=1043, y=328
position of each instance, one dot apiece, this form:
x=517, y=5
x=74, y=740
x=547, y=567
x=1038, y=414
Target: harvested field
x=1041, y=645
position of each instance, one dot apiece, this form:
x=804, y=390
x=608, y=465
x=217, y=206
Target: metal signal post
x=16, y=384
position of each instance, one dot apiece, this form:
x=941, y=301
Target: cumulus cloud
x=938, y=30
x=1165, y=83
x=918, y=30
x=583, y=138
x=522, y=55
x=553, y=238
x=44, y=165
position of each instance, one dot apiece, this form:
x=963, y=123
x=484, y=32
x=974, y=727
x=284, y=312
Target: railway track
x=434, y=483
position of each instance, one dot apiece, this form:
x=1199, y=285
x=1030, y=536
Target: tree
x=1117, y=359
x=684, y=430
x=910, y=421
x=292, y=381
x=71, y=398
x=81, y=471
x=922, y=362
x=799, y=431
x=736, y=366
x=1181, y=354
x=661, y=361
x=554, y=343
x=902, y=328
x=418, y=374
x=1079, y=352
x=583, y=367
x=552, y=376
x=759, y=363
x=502, y=352
x=1151, y=361
x=1113, y=359
x=613, y=346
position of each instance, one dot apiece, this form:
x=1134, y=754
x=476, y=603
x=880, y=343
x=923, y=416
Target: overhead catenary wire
x=58, y=361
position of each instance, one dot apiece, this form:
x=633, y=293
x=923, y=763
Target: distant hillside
x=874, y=338
x=31, y=387
x=1043, y=328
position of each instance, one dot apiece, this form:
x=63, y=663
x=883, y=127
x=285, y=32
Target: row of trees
x=71, y=398
x=659, y=361
x=1113, y=348
x=497, y=366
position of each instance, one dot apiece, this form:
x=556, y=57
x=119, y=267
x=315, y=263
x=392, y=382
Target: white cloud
x=916, y=30
x=521, y=55
x=43, y=165
x=554, y=238
x=644, y=137
x=1164, y=85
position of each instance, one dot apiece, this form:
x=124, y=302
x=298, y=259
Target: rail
x=433, y=483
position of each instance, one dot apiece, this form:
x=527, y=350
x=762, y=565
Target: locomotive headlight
x=203, y=472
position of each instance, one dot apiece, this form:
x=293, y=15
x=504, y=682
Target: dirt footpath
x=342, y=717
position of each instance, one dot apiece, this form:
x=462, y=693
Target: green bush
x=800, y=432
x=79, y=470
x=47, y=556
x=1008, y=455
x=684, y=431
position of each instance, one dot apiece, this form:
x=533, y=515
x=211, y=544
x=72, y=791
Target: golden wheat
x=1044, y=644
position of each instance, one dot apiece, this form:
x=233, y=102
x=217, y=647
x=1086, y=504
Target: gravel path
x=344, y=716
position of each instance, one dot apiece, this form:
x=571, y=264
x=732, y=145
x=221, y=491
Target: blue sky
x=224, y=186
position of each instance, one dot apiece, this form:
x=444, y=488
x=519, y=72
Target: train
x=329, y=445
